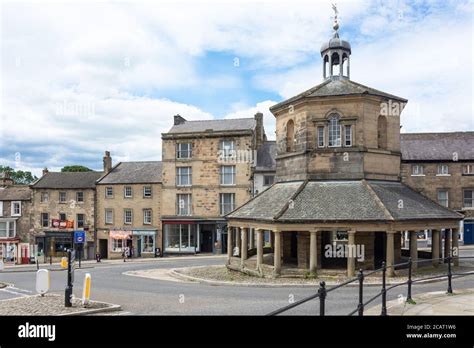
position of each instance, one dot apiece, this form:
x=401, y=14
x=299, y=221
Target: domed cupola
x=336, y=55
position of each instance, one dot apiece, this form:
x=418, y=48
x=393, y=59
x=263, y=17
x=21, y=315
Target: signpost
x=80, y=239
x=70, y=277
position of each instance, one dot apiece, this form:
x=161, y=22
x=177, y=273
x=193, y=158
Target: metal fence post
x=409, y=280
x=450, y=276
x=322, y=298
x=361, y=292
x=384, y=290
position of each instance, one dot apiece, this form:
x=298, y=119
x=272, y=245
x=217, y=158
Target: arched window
x=290, y=136
x=382, y=132
x=334, y=131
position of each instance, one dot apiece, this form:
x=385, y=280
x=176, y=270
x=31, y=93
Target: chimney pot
x=45, y=171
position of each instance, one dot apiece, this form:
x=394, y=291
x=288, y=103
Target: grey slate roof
x=67, y=180
x=331, y=201
x=337, y=87
x=235, y=124
x=15, y=193
x=437, y=146
x=134, y=173
x=266, y=155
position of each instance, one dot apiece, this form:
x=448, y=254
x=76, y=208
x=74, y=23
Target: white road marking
x=18, y=289
x=13, y=292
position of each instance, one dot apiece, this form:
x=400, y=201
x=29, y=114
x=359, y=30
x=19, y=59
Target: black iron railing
x=322, y=292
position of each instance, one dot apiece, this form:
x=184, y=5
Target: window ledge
x=418, y=175
x=443, y=174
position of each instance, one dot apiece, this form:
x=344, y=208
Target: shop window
x=148, y=244
x=117, y=245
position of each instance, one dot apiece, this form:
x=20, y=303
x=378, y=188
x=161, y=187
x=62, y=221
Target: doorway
x=379, y=249
x=139, y=246
x=103, y=248
x=206, y=238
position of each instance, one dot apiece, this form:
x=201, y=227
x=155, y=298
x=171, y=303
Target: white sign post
x=43, y=281
x=86, y=289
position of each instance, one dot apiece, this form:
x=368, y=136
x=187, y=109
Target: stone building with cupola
x=338, y=184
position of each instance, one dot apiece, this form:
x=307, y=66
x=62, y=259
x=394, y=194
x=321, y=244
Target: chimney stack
x=45, y=171
x=107, y=162
x=178, y=120
x=259, y=131
x=5, y=179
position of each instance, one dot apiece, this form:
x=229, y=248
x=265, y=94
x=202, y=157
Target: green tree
x=19, y=176
x=76, y=168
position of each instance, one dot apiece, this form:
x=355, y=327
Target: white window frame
x=447, y=198
x=418, y=172
x=147, y=213
x=125, y=193
x=8, y=228
x=107, y=195
x=180, y=210
x=13, y=208
x=125, y=216
x=347, y=127
x=227, y=151
x=233, y=174
x=77, y=196
x=146, y=242
x=180, y=176
x=1, y=208
x=468, y=169
x=60, y=200
x=321, y=136
x=44, y=195
x=107, y=220
x=334, y=130
x=222, y=203
x=145, y=194
x=180, y=151
x=464, y=199
x=441, y=171
x=115, y=245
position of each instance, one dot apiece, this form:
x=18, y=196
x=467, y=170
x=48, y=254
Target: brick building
x=129, y=210
x=15, y=215
x=207, y=169
x=441, y=167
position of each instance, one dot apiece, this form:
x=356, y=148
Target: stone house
x=338, y=201
x=207, y=170
x=129, y=210
x=15, y=215
x=265, y=168
x=441, y=167
x=63, y=202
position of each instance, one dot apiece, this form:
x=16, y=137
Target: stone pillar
x=351, y=260
x=435, y=247
x=390, y=253
x=413, y=250
x=340, y=64
x=237, y=240
x=348, y=67
x=244, y=246
x=259, y=248
x=440, y=247
x=229, y=243
x=330, y=65
x=252, y=239
x=455, y=252
x=277, y=253
x=324, y=67
x=271, y=236
x=447, y=242
x=313, y=251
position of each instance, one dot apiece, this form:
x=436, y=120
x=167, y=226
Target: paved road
x=159, y=297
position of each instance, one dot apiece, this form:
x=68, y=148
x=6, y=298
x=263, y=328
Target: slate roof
x=334, y=201
x=235, y=124
x=134, y=173
x=337, y=87
x=437, y=146
x=67, y=180
x=266, y=155
x=15, y=193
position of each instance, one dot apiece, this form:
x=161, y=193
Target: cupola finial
x=335, y=26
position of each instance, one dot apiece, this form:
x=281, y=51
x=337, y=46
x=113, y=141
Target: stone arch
x=382, y=132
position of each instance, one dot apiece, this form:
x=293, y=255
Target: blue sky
x=79, y=77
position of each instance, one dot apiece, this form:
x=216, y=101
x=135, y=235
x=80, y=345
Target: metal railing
x=323, y=292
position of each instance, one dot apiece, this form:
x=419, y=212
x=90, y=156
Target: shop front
x=54, y=243
x=144, y=242
x=9, y=250
x=119, y=240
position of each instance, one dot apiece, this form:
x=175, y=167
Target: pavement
x=461, y=302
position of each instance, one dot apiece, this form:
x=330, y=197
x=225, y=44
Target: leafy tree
x=19, y=176
x=76, y=168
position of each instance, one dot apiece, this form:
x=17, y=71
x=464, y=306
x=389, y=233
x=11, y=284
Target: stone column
x=313, y=251
x=351, y=260
x=455, y=252
x=330, y=65
x=229, y=243
x=435, y=247
x=413, y=249
x=440, y=246
x=447, y=242
x=271, y=236
x=340, y=64
x=277, y=253
x=390, y=253
x=251, y=238
x=259, y=248
x=237, y=240
x=244, y=246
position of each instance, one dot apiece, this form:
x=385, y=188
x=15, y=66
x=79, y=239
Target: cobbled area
x=49, y=304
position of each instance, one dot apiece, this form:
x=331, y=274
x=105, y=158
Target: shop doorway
x=103, y=248
x=206, y=238
x=139, y=246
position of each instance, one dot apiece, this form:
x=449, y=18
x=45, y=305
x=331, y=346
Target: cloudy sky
x=79, y=77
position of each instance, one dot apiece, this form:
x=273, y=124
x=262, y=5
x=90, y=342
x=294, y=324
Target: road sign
x=43, y=281
x=79, y=237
